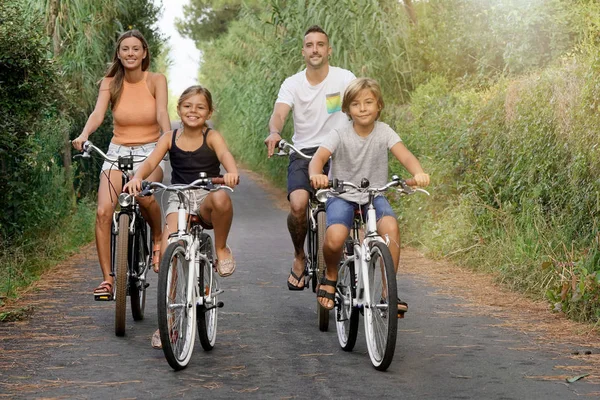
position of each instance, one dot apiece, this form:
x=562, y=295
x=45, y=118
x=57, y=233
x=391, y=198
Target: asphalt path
x=268, y=344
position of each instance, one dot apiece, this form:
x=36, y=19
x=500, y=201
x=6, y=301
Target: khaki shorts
x=139, y=153
x=195, y=198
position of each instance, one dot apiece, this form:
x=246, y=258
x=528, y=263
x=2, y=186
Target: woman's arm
x=216, y=142
x=97, y=116
x=161, y=94
x=411, y=163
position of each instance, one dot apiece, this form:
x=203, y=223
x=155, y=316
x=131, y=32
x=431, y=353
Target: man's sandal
x=156, y=256
x=300, y=278
x=326, y=295
x=104, y=292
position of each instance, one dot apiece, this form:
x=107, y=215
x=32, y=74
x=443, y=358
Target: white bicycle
x=188, y=287
x=367, y=279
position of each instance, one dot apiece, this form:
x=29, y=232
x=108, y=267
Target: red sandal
x=104, y=291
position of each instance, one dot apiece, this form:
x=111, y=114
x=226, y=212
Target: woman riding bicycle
x=359, y=150
x=138, y=100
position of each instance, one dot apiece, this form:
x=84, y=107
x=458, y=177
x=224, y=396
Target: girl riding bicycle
x=138, y=100
x=359, y=150
x=193, y=149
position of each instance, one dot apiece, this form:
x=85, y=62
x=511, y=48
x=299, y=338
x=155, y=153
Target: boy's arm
x=315, y=168
x=410, y=162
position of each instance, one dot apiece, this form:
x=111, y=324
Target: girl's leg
x=217, y=210
x=108, y=191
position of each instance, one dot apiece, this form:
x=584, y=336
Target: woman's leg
x=151, y=211
x=108, y=192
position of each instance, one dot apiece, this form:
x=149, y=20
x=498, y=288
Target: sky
x=184, y=54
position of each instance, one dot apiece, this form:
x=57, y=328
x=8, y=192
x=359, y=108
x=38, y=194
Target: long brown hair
x=116, y=69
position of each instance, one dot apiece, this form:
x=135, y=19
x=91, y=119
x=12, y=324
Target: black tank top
x=188, y=164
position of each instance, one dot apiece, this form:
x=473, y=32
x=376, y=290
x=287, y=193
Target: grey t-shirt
x=355, y=157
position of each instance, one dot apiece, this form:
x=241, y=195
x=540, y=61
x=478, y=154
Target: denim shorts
x=298, y=172
x=138, y=152
x=340, y=211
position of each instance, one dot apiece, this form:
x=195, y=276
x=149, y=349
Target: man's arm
x=280, y=113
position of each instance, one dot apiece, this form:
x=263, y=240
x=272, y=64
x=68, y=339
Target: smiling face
x=194, y=111
x=364, y=108
x=316, y=50
x=131, y=52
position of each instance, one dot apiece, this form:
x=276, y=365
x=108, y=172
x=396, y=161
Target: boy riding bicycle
x=359, y=150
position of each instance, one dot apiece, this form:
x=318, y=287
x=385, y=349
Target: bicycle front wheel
x=206, y=316
x=346, y=314
x=381, y=319
x=322, y=312
x=176, y=311
x=121, y=271
x=141, y=261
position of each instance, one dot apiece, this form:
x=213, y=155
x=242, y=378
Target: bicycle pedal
x=220, y=304
x=146, y=285
x=104, y=297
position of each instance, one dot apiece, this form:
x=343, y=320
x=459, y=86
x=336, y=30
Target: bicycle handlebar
x=201, y=183
x=88, y=148
x=338, y=186
x=284, y=145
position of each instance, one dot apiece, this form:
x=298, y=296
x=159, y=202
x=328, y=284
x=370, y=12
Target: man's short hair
x=318, y=29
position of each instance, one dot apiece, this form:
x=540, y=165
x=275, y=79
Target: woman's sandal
x=326, y=295
x=156, y=257
x=104, y=291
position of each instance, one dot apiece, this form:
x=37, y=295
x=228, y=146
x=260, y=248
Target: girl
x=359, y=150
x=138, y=100
x=193, y=149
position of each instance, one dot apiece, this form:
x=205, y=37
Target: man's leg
x=297, y=226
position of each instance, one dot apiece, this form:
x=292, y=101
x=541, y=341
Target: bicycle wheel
x=322, y=313
x=137, y=283
x=175, y=309
x=207, y=319
x=381, y=317
x=346, y=314
x=121, y=271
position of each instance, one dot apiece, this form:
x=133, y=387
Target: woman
x=138, y=100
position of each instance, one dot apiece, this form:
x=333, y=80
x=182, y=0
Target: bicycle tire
x=121, y=271
x=176, y=312
x=322, y=312
x=207, y=279
x=346, y=314
x=141, y=260
x=381, y=320
x=311, y=251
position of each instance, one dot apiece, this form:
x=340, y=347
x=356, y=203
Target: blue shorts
x=340, y=211
x=298, y=172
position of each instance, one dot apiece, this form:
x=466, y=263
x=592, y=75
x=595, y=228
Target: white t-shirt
x=316, y=109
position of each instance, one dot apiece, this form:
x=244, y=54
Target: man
x=315, y=96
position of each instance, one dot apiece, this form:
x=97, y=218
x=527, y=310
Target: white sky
x=184, y=54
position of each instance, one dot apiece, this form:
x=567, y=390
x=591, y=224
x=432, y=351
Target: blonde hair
x=116, y=69
x=354, y=89
x=194, y=90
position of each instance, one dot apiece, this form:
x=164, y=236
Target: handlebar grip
x=411, y=182
x=218, y=180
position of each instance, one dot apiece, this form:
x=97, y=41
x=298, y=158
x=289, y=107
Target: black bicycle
x=130, y=246
x=315, y=234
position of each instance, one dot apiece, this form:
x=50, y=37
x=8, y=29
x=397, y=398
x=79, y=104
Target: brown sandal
x=104, y=291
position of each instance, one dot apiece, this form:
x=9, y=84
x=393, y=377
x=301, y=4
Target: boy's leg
x=339, y=220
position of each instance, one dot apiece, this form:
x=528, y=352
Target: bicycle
x=367, y=279
x=315, y=234
x=188, y=287
x=130, y=246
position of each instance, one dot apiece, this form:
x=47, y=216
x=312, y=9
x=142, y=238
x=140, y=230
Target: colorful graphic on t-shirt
x=334, y=102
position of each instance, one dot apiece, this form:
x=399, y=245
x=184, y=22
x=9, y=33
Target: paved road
x=268, y=345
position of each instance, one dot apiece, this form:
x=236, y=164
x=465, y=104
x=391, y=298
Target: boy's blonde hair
x=354, y=89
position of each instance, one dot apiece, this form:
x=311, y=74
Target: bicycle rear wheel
x=121, y=271
x=322, y=313
x=141, y=261
x=346, y=314
x=207, y=319
x=176, y=312
x=381, y=317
